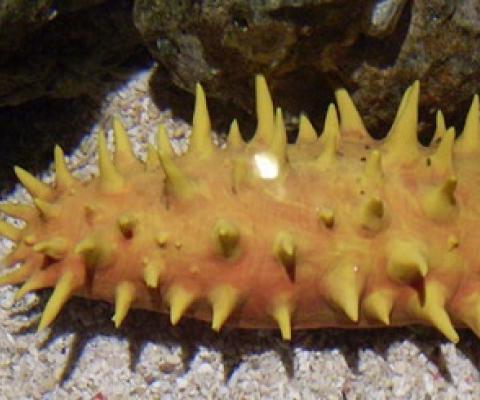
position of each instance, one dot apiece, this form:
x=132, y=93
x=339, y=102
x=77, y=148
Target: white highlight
x=266, y=165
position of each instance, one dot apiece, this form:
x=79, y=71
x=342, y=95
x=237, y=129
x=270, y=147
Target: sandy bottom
x=83, y=357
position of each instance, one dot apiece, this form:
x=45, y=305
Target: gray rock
x=307, y=48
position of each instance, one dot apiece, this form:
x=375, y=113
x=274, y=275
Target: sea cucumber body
x=343, y=230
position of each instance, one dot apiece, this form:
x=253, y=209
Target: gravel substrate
x=83, y=357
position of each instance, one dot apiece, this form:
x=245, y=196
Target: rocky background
x=58, y=59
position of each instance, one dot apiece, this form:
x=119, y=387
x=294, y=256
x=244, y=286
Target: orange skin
x=341, y=230
x=260, y=209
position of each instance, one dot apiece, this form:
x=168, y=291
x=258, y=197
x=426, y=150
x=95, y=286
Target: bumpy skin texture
x=341, y=230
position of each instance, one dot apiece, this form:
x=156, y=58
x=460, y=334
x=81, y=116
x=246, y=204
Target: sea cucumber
x=336, y=230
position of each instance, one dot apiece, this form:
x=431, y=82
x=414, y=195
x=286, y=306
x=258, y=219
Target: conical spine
x=442, y=159
x=9, y=231
x=124, y=297
x=440, y=203
x=372, y=214
x=432, y=309
x=306, y=131
x=127, y=223
x=378, y=305
x=326, y=216
x=281, y=313
x=21, y=252
x=18, y=275
x=224, y=299
x=440, y=127
x=94, y=250
x=34, y=186
x=469, y=140
x=165, y=149
x=152, y=163
x=285, y=249
x=63, y=179
x=201, y=137
x=278, y=146
x=111, y=181
x=227, y=237
x=350, y=120
x=40, y=279
x=124, y=156
x=407, y=262
x=234, y=139
x=55, y=247
x=264, y=132
x=64, y=289
x=152, y=272
x=162, y=239
x=178, y=183
x=401, y=106
x=22, y=211
x=344, y=284
x=47, y=210
x=179, y=299
x=329, y=139
x=401, y=142
x=372, y=176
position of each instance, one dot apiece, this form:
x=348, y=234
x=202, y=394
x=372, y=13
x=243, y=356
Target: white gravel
x=83, y=357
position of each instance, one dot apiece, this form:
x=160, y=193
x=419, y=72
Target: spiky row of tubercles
x=336, y=230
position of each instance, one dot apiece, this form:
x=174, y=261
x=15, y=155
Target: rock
x=58, y=59
x=61, y=49
x=307, y=48
x=18, y=18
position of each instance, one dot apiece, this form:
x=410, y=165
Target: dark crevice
x=383, y=52
x=85, y=64
x=325, y=15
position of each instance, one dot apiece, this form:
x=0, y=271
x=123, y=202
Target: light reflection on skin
x=266, y=165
